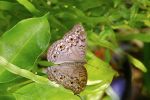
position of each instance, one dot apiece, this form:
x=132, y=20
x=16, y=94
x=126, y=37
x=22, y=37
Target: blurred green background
x=114, y=28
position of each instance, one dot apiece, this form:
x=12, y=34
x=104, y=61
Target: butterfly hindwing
x=72, y=76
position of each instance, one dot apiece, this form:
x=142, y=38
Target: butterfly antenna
x=80, y=97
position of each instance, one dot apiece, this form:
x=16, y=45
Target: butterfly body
x=69, y=55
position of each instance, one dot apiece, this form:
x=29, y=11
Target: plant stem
x=25, y=73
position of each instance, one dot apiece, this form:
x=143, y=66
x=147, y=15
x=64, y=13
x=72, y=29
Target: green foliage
x=137, y=63
x=16, y=44
x=25, y=36
x=142, y=37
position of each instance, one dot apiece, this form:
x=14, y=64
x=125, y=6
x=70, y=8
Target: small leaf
x=141, y=36
x=138, y=64
x=5, y=5
x=107, y=55
x=117, y=2
x=108, y=35
x=95, y=40
x=29, y=6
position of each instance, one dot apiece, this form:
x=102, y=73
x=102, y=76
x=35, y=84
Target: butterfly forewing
x=69, y=49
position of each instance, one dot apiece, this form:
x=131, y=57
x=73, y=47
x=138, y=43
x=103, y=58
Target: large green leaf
x=36, y=91
x=22, y=44
x=100, y=75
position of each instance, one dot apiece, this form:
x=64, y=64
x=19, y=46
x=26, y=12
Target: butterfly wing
x=72, y=76
x=69, y=49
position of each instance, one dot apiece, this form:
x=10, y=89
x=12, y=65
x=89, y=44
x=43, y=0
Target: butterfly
x=69, y=55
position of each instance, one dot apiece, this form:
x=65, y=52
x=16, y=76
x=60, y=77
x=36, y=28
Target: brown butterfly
x=69, y=55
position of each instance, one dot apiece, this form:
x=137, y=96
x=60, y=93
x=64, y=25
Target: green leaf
x=36, y=91
x=22, y=44
x=90, y=4
x=29, y=6
x=98, y=69
x=134, y=9
x=100, y=75
x=107, y=56
x=4, y=5
x=94, y=39
x=117, y=2
x=7, y=97
x=138, y=64
x=108, y=35
x=24, y=73
x=142, y=37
